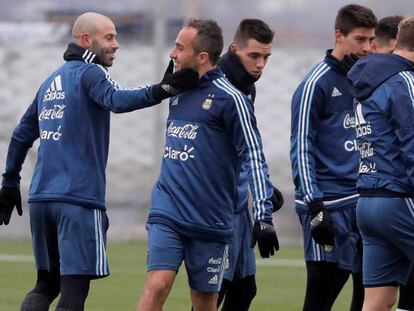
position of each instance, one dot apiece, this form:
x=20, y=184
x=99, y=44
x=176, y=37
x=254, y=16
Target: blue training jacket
x=211, y=131
x=383, y=86
x=237, y=75
x=71, y=116
x=323, y=147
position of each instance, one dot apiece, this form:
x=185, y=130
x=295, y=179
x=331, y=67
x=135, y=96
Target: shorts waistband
x=383, y=193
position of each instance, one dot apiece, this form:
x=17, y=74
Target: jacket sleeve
x=240, y=123
x=26, y=132
x=401, y=110
x=306, y=103
x=106, y=92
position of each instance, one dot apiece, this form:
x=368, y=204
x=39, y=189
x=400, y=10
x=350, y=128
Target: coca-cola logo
x=349, y=121
x=52, y=113
x=187, y=131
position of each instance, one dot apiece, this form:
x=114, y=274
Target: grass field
x=281, y=281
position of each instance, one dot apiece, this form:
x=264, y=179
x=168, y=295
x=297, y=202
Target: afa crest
x=328, y=248
x=207, y=104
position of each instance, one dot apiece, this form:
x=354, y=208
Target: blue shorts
x=69, y=238
x=204, y=260
x=242, y=261
x=346, y=252
x=387, y=228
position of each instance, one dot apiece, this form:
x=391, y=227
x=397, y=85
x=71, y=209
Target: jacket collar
x=210, y=76
x=335, y=63
x=76, y=52
x=236, y=73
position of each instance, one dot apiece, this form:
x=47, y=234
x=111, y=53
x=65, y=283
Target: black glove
x=277, y=199
x=9, y=197
x=265, y=235
x=174, y=83
x=348, y=61
x=321, y=226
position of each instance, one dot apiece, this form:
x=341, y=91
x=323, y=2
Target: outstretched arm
x=106, y=92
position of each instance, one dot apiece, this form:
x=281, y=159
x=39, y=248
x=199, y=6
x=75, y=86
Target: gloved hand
x=174, y=83
x=277, y=199
x=321, y=226
x=264, y=234
x=9, y=198
x=348, y=61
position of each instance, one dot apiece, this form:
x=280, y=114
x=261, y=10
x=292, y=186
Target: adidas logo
x=213, y=280
x=55, y=90
x=336, y=92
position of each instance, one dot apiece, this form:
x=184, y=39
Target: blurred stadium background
x=34, y=35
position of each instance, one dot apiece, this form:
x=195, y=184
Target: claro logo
x=351, y=145
x=180, y=155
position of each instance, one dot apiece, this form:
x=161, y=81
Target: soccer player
x=386, y=33
x=243, y=65
x=383, y=85
x=325, y=165
x=385, y=37
x=70, y=114
x=211, y=133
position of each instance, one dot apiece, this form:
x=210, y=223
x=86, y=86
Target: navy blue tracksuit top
x=211, y=131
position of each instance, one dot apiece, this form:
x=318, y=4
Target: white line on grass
x=16, y=258
x=280, y=262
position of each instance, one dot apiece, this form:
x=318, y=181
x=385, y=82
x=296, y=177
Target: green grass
x=279, y=287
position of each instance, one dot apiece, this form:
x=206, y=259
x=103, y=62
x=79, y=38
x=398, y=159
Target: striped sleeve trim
x=303, y=130
x=409, y=79
x=115, y=84
x=253, y=145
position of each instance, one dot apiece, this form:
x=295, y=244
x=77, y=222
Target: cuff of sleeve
x=11, y=180
x=158, y=93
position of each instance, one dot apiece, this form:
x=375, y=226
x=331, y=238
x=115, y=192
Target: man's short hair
x=253, y=29
x=209, y=38
x=387, y=28
x=405, y=34
x=354, y=16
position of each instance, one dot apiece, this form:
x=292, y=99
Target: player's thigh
x=165, y=248
x=347, y=239
x=242, y=261
x=204, y=261
x=44, y=237
x=380, y=221
x=82, y=238
x=380, y=298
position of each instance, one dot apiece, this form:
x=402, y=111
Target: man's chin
x=108, y=62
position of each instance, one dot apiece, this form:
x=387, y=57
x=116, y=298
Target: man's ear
x=338, y=36
x=233, y=48
x=203, y=58
x=85, y=41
